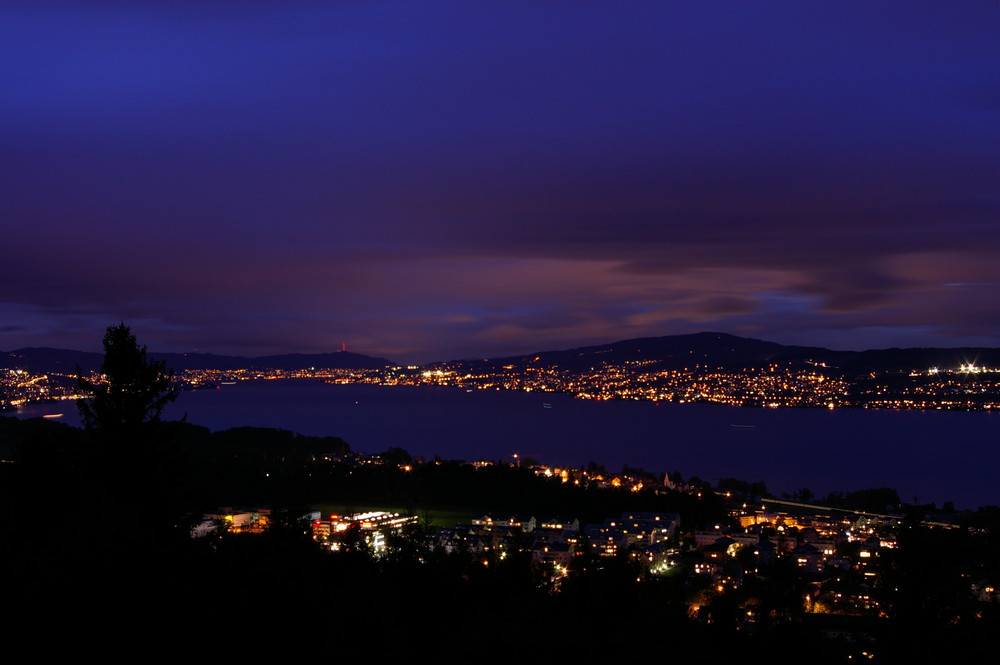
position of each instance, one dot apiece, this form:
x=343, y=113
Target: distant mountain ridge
x=725, y=351
x=673, y=352
x=41, y=359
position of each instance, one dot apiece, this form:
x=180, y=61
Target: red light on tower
x=343, y=346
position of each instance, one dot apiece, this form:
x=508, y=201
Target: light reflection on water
x=934, y=456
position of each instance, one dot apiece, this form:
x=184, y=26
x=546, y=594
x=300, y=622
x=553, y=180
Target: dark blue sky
x=424, y=180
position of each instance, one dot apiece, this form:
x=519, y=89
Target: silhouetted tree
x=134, y=473
x=396, y=456
x=134, y=390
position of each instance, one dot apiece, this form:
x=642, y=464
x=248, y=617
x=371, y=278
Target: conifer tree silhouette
x=129, y=465
x=133, y=392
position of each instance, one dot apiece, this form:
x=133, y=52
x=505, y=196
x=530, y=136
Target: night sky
x=431, y=180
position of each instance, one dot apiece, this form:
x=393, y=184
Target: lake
x=933, y=456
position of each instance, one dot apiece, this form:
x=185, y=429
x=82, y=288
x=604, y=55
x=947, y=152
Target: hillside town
x=786, y=385
x=842, y=562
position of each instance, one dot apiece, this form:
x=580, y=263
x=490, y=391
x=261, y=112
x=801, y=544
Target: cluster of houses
x=556, y=541
x=552, y=542
x=371, y=527
x=232, y=520
x=839, y=559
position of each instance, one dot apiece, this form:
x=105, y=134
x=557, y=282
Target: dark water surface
x=934, y=456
